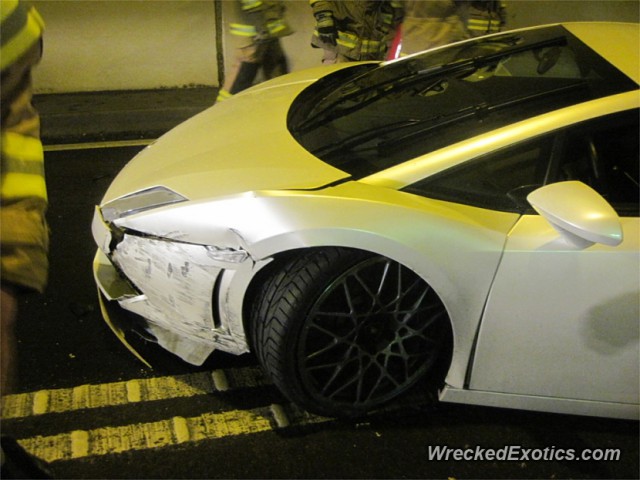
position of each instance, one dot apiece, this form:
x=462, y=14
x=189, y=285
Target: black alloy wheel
x=342, y=332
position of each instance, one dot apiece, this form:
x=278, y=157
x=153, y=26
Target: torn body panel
x=178, y=281
x=178, y=301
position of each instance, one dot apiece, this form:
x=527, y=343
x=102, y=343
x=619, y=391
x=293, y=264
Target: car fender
x=457, y=254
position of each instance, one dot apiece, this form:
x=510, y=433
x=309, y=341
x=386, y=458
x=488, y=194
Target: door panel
x=562, y=321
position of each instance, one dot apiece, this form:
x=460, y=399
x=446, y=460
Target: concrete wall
x=94, y=45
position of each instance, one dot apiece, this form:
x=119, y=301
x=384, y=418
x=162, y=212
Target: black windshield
x=394, y=112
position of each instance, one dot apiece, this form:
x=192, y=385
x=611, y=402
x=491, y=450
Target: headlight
x=140, y=201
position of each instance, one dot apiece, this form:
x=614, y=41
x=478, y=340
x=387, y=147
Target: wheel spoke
x=371, y=334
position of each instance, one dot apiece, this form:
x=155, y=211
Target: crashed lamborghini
x=467, y=214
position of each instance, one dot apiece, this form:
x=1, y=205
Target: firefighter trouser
x=267, y=56
x=23, y=230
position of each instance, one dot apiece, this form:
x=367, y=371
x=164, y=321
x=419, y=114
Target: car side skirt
x=544, y=404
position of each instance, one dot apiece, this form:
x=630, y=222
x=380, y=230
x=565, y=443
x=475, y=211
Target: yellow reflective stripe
x=22, y=185
x=22, y=167
x=478, y=23
x=7, y=7
x=486, y=29
x=276, y=26
x=351, y=41
x=23, y=40
x=371, y=46
x=223, y=95
x=251, y=4
x=243, y=30
x=484, y=25
x=19, y=146
x=346, y=44
x=347, y=40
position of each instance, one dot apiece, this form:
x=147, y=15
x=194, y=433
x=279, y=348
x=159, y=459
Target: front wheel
x=341, y=332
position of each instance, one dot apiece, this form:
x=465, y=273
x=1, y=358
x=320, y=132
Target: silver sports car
x=467, y=215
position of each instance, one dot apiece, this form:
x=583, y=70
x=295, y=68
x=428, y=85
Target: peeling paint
x=178, y=280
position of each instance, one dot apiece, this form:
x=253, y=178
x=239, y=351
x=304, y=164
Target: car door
x=562, y=320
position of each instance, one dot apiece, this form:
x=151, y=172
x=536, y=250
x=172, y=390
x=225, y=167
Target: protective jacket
x=430, y=24
x=482, y=17
x=364, y=29
x=22, y=154
x=261, y=20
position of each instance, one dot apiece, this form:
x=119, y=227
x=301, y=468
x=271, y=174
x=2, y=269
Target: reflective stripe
x=347, y=40
x=276, y=26
x=223, y=95
x=243, y=30
x=484, y=25
x=371, y=46
x=23, y=185
x=15, y=145
x=22, y=167
x=21, y=28
x=251, y=4
x=350, y=41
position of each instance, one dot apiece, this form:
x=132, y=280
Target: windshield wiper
x=373, y=92
x=349, y=143
x=483, y=110
x=429, y=124
x=362, y=137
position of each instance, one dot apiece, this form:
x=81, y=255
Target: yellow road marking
x=95, y=145
x=164, y=433
x=126, y=392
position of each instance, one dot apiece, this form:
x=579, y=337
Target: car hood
x=239, y=145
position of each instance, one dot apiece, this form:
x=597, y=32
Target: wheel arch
x=277, y=251
x=447, y=247
x=288, y=265
x=389, y=246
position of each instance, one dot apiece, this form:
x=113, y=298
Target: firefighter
x=429, y=24
x=263, y=26
x=23, y=202
x=354, y=30
x=24, y=234
x=482, y=17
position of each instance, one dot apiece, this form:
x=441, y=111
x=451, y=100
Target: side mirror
x=578, y=213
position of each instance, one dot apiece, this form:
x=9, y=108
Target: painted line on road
x=130, y=391
x=95, y=145
x=174, y=431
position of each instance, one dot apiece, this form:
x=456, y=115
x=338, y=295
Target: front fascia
x=177, y=281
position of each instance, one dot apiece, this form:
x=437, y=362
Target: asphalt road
x=95, y=411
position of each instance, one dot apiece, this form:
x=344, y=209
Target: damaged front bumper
x=180, y=291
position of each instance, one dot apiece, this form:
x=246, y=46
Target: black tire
x=341, y=332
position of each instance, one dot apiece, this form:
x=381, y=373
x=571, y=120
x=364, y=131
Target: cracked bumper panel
x=171, y=286
x=191, y=342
